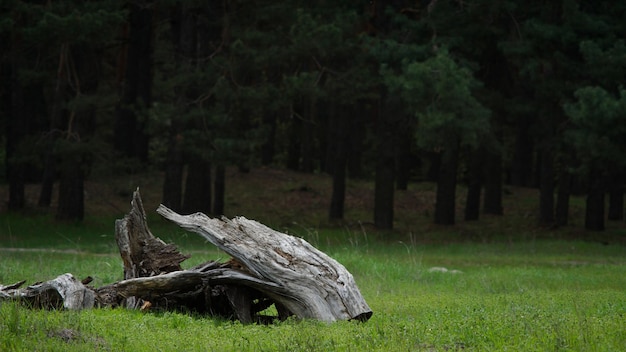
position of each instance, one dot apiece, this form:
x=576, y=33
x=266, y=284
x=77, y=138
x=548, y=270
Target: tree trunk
x=76, y=154
x=219, y=190
x=357, y=135
x=130, y=137
x=267, y=268
x=198, y=187
x=562, y=199
x=594, y=206
x=16, y=132
x=522, y=162
x=384, y=186
x=308, y=137
x=616, y=198
x=403, y=158
x=493, y=184
x=546, y=187
x=474, y=185
x=339, y=167
x=172, y=183
x=445, y=207
x=286, y=269
x=71, y=184
x=269, y=145
x=294, y=146
x=142, y=253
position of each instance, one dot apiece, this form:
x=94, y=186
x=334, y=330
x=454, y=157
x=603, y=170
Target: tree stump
x=267, y=268
x=293, y=273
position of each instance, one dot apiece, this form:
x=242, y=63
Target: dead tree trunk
x=142, y=253
x=268, y=268
x=312, y=284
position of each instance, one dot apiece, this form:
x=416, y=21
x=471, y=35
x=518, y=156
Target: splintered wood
x=267, y=268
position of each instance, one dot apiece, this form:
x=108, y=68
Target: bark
x=269, y=145
x=62, y=292
x=594, y=205
x=294, y=146
x=142, y=253
x=307, y=282
x=384, y=181
x=198, y=187
x=404, y=158
x=474, y=185
x=493, y=185
x=76, y=152
x=445, y=207
x=71, y=205
x=522, y=162
x=339, y=168
x=562, y=200
x=616, y=199
x=546, y=188
x=267, y=268
x=219, y=190
x=129, y=136
x=172, y=182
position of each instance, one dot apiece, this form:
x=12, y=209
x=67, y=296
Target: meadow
x=491, y=286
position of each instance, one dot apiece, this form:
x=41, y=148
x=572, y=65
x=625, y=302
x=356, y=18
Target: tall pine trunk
x=546, y=187
x=198, y=195
x=339, y=167
x=445, y=206
x=493, y=184
x=130, y=137
x=172, y=182
x=616, y=197
x=219, y=190
x=76, y=156
x=384, y=182
x=522, y=162
x=594, y=205
x=474, y=185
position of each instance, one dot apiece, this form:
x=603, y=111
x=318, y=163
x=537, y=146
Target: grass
x=520, y=288
x=532, y=296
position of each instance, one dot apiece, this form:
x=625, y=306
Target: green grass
x=533, y=295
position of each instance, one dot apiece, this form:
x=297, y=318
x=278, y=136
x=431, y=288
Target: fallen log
x=313, y=285
x=267, y=268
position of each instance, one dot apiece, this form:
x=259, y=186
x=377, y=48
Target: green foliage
x=439, y=93
x=598, y=126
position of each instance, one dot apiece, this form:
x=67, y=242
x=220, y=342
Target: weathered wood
x=62, y=292
x=267, y=268
x=143, y=254
x=312, y=284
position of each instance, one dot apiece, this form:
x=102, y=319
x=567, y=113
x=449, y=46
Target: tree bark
x=594, y=205
x=198, y=195
x=474, y=185
x=445, y=207
x=75, y=152
x=562, y=200
x=339, y=168
x=288, y=269
x=172, y=182
x=267, y=268
x=219, y=190
x=546, y=187
x=130, y=137
x=384, y=181
x=493, y=185
x=616, y=198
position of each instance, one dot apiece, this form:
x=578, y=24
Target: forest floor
x=286, y=199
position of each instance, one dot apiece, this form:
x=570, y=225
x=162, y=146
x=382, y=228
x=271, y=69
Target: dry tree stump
x=267, y=268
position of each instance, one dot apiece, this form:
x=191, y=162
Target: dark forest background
x=481, y=93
